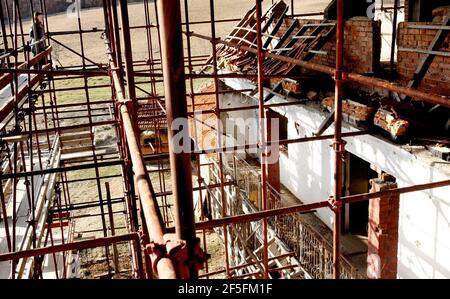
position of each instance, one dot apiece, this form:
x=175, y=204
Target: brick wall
x=406, y=9
x=437, y=78
x=362, y=46
x=383, y=232
x=53, y=6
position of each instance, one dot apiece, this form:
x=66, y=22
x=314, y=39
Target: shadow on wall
x=419, y=261
x=423, y=241
x=306, y=172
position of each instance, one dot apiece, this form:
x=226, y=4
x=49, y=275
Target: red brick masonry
x=437, y=78
x=383, y=231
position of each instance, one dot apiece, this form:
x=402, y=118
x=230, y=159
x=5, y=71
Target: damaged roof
x=281, y=34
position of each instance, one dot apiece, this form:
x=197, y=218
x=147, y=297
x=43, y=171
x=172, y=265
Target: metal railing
x=312, y=249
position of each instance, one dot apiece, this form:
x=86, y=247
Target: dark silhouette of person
x=37, y=37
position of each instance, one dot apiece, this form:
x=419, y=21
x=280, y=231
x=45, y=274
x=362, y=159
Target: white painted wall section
x=424, y=223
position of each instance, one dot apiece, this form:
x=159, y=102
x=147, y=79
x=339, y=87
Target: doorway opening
x=358, y=174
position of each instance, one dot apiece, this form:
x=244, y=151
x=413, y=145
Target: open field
x=93, y=18
x=95, y=49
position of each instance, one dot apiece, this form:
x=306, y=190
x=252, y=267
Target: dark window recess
x=353, y=8
x=422, y=10
x=356, y=181
x=283, y=131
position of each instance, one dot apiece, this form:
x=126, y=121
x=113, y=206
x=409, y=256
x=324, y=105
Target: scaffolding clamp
x=177, y=251
x=335, y=205
x=340, y=75
x=124, y=102
x=339, y=148
x=344, y=76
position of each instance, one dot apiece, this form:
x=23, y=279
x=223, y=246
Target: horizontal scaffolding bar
x=313, y=206
x=61, y=169
x=69, y=246
x=347, y=76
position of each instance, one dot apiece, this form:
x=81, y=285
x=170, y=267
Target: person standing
x=37, y=37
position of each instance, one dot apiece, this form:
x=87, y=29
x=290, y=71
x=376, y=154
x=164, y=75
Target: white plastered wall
x=424, y=223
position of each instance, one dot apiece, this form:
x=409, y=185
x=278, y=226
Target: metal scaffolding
x=37, y=136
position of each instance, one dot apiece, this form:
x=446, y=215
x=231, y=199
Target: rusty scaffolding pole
x=338, y=143
x=263, y=134
x=169, y=13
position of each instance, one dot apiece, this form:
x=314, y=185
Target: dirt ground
x=93, y=18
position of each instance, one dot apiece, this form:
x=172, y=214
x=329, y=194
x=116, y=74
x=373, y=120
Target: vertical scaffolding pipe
x=192, y=96
x=115, y=33
x=55, y=263
x=2, y=197
x=109, y=27
x=150, y=48
x=30, y=183
x=155, y=103
x=113, y=231
x=219, y=134
x=158, y=31
x=5, y=215
x=105, y=6
x=91, y=133
x=4, y=37
x=16, y=127
x=190, y=66
x=263, y=135
x=338, y=143
x=169, y=13
x=127, y=171
x=59, y=205
x=394, y=39
x=19, y=16
x=147, y=199
x=131, y=88
x=9, y=20
x=132, y=104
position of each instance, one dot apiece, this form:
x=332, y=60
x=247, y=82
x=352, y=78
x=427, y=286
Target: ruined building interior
x=315, y=139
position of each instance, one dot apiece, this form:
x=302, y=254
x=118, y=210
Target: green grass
x=104, y=93
x=198, y=83
x=79, y=95
x=90, y=173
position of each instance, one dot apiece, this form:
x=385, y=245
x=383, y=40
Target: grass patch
x=98, y=93
x=90, y=173
x=78, y=96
